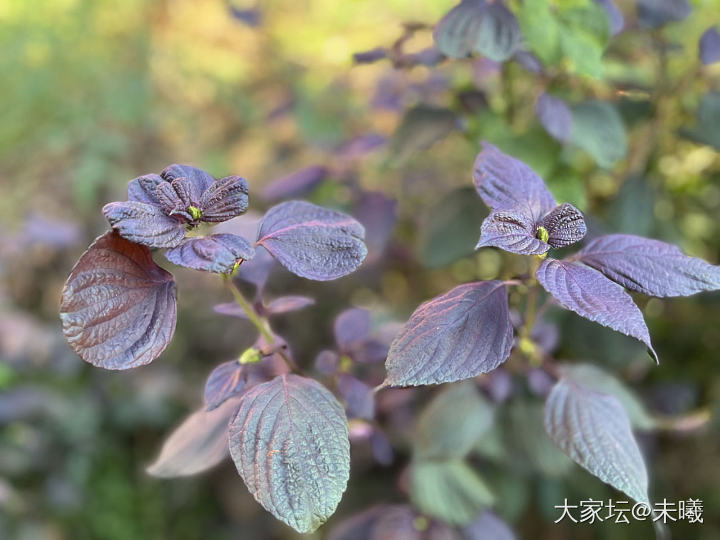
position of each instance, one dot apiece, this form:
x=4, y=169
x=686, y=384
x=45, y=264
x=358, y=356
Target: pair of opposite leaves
x=118, y=307
x=467, y=331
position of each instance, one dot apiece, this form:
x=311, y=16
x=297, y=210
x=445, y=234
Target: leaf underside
x=594, y=430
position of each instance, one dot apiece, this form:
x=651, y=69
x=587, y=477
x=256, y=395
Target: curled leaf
x=311, y=241
x=215, y=253
x=224, y=199
x=512, y=231
x=594, y=430
x=144, y=224
x=289, y=441
x=198, y=444
x=565, y=225
x=118, y=307
x=588, y=293
x=175, y=198
x=198, y=179
x=649, y=266
x=142, y=189
x=461, y=334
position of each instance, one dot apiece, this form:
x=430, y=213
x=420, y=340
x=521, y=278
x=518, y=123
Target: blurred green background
x=94, y=93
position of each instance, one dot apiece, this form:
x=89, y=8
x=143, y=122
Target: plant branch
x=259, y=322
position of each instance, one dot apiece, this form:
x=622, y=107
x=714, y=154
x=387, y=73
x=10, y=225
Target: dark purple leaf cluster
x=525, y=218
x=119, y=308
x=468, y=331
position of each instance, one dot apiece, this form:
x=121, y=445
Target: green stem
x=259, y=322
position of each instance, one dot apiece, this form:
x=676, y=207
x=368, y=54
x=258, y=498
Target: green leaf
x=594, y=430
x=289, y=441
x=598, y=129
x=448, y=490
x=421, y=127
x=450, y=229
x=530, y=442
x=583, y=52
x=453, y=422
x=596, y=379
x=707, y=130
x=541, y=29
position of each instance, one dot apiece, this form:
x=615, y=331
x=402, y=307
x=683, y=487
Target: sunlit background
x=94, y=93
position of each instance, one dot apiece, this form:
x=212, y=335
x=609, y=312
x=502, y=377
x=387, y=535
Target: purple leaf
x=199, y=443
x=225, y=381
x=594, y=430
x=118, y=307
x=351, y=327
x=458, y=335
x=588, y=293
x=380, y=522
x=362, y=145
x=231, y=309
x=369, y=351
x=286, y=304
x=555, y=116
x=311, y=241
x=257, y=270
x=224, y=199
x=488, y=526
x=565, y=225
x=649, y=266
x=199, y=179
x=615, y=16
x=250, y=17
x=371, y=56
x=144, y=224
x=327, y=362
x=296, y=184
x=655, y=13
x=710, y=46
x=381, y=448
x=215, y=253
x=529, y=61
x=378, y=214
x=506, y=183
x=142, y=189
x=289, y=441
x=175, y=198
x=512, y=231
x=358, y=396
x=487, y=28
